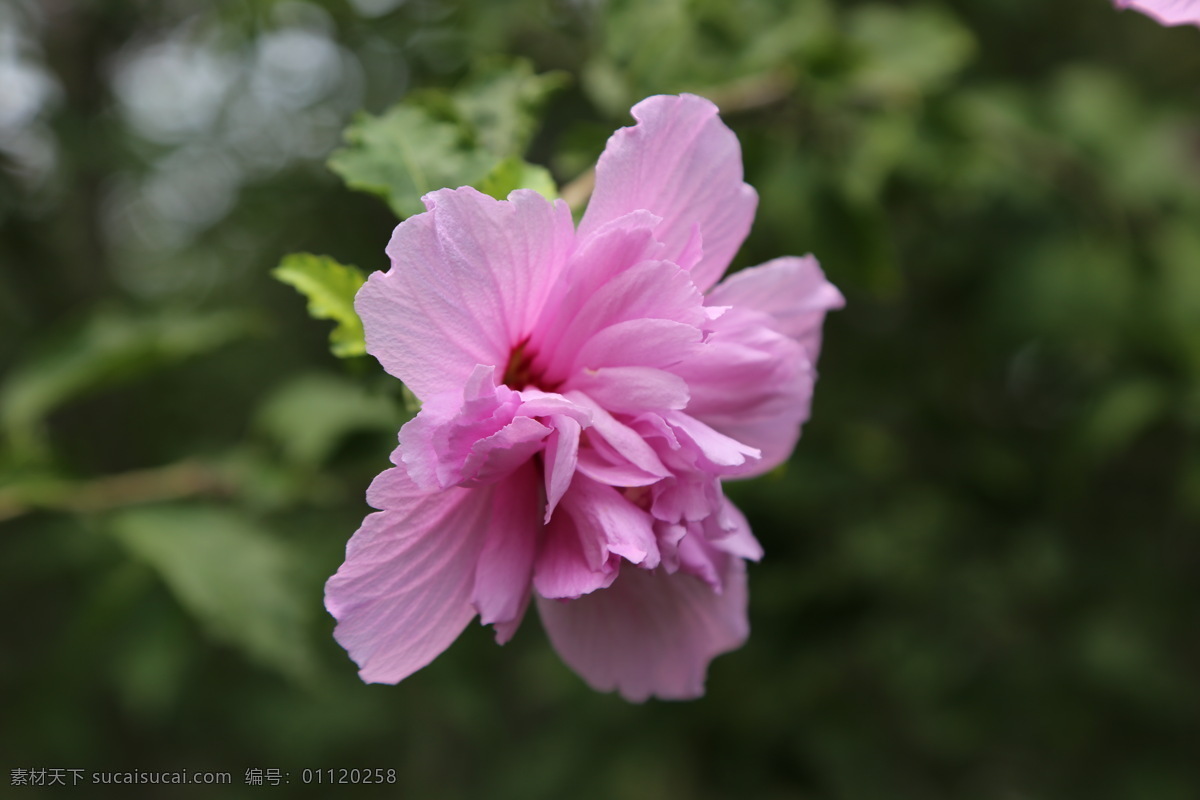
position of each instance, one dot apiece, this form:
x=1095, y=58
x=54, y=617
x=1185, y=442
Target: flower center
x=520, y=372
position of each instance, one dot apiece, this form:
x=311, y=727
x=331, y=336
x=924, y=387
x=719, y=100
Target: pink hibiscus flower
x=1166, y=12
x=584, y=392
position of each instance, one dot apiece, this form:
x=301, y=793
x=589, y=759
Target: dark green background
x=981, y=570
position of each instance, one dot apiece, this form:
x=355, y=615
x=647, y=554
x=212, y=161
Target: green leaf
x=513, y=173
x=501, y=101
x=236, y=579
x=108, y=348
x=704, y=46
x=438, y=138
x=330, y=288
x=407, y=153
x=907, y=53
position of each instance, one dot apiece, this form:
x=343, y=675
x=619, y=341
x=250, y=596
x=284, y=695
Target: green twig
x=172, y=482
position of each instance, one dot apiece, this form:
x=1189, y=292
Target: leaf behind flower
x=405, y=154
x=512, y=174
x=473, y=135
x=330, y=288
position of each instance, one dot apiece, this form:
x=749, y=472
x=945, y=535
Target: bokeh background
x=982, y=562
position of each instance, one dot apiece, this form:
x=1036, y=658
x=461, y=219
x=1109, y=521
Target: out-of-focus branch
x=752, y=92
x=172, y=482
x=577, y=192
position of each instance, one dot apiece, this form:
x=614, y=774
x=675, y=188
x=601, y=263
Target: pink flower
x=583, y=395
x=1166, y=12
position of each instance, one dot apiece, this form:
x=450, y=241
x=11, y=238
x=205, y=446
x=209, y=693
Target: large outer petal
x=468, y=279
x=681, y=163
x=791, y=290
x=1166, y=12
x=754, y=379
x=505, y=568
x=650, y=633
x=752, y=384
x=404, y=593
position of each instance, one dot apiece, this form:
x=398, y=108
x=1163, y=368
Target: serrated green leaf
x=407, y=153
x=235, y=578
x=512, y=174
x=330, y=288
x=439, y=138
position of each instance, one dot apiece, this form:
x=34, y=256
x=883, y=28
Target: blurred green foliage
x=981, y=563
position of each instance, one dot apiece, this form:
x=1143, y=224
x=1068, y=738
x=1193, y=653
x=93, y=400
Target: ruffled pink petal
x=614, y=525
x=614, y=247
x=506, y=630
x=687, y=495
x=536, y=403
x=618, y=246
x=595, y=528
x=616, y=454
x=631, y=390
x=418, y=452
x=682, y=164
x=562, y=568
x=698, y=558
x=505, y=566
x=601, y=463
x=752, y=384
x=562, y=456
x=776, y=437
x=650, y=633
x=714, y=451
x=476, y=441
x=698, y=544
x=625, y=344
x=468, y=279
x=404, y=592
x=792, y=291
x=692, y=450
x=1166, y=12
x=669, y=534
x=493, y=458
x=650, y=290
x=729, y=531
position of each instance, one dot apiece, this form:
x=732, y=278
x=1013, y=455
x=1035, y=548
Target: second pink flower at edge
x=1166, y=12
